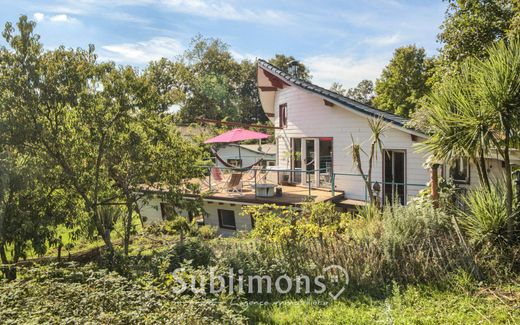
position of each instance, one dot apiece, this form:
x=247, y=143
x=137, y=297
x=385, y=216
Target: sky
x=340, y=41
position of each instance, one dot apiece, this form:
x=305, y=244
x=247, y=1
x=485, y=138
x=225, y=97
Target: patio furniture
x=265, y=190
x=234, y=183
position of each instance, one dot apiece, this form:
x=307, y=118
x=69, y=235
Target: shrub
x=207, y=232
x=78, y=295
x=485, y=216
x=194, y=250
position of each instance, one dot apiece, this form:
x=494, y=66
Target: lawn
x=414, y=305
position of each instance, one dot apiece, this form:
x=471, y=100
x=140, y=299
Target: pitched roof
x=336, y=98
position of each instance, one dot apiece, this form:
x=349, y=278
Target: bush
x=78, y=295
x=194, y=250
x=485, y=218
x=207, y=232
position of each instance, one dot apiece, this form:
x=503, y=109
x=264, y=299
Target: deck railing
x=325, y=179
x=273, y=175
x=406, y=187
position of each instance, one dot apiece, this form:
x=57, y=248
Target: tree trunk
x=483, y=169
x=128, y=227
x=3, y=256
x=434, y=183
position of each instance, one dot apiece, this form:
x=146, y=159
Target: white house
x=315, y=128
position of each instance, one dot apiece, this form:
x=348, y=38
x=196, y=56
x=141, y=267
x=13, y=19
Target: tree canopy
x=403, y=81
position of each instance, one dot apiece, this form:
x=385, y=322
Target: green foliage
x=96, y=130
x=288, y=224
x=194, y=250
x=284, y=61
x=207, y=232
x=217, y=86
x=471, y=26
x=403, y=81
x=363, y=92
x=484, y=217
x=414, y=224
x=88, y=295
x=477, y=112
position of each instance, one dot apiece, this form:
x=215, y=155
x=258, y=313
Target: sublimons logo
x=261, y=284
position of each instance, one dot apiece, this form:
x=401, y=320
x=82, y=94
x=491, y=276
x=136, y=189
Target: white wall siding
x=308, y=116
x=243, y=222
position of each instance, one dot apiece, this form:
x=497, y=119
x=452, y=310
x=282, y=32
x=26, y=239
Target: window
x=459, y=170
x=167, y=211
x=235, y=162
x=226, y=219
x=282, y=115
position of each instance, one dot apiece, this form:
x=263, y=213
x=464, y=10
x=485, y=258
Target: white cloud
x=384, y=40
x=38, y=16
x=347, y=70
x=221, y=10
x=243, y=56
x=142, y=52
x=62, y=18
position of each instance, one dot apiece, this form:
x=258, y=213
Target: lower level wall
x=242, y=222
x=150, y=209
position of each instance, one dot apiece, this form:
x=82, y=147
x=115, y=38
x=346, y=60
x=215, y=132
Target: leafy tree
x=363, y=92
x=403, y=81
x=477, y=112
x=78, y=115
x=284, y=61
x=338, y=88
x=470, y=26
x=169, y=81
x=30, y=206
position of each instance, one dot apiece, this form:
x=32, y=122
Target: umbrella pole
x=239, y=156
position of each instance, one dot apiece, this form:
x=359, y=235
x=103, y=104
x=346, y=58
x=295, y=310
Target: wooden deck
x=291, y=195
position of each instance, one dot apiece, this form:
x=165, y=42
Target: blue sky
x=343, y=41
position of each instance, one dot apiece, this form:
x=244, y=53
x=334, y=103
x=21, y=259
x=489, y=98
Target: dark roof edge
x=340, y=99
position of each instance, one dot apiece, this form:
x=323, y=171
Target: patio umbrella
x=237, y=135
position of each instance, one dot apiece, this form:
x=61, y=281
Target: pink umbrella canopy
x=236, y=135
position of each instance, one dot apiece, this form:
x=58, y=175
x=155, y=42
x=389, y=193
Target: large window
x=282, y=115
x=459, y=171
x=226, y=219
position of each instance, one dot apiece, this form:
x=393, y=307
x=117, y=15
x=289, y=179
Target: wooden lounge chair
x=234, y=183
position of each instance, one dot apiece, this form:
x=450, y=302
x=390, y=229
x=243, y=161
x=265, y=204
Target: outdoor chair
x=234, y=183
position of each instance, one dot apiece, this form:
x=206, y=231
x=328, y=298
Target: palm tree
x=478, y=111
x=378, y=128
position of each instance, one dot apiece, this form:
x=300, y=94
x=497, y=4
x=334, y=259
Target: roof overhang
x=269, y=83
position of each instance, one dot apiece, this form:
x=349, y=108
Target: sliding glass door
x=394, y=169
x=313, y=156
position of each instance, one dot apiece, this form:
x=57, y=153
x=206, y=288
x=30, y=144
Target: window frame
x=467, y=179
x=220, y=221
x=282, y=115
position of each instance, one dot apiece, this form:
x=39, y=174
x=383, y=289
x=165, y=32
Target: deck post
x=209, y=181
x=309, y=182
x=332, y=185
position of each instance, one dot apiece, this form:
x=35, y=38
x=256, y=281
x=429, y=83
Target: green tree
x=31, y=206
x=363, y=92
x=477, y=112
x=76, y=115
x=284, y=61
x=469, y=27
x=403, y=81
